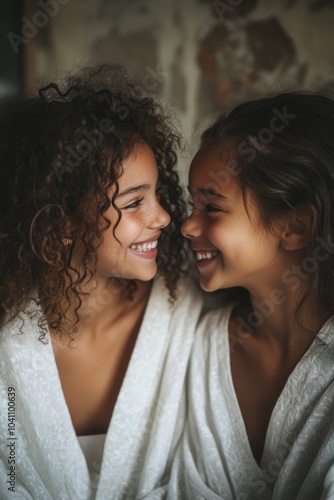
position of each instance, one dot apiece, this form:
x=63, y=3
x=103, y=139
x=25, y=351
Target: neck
x=108, y=302
x=277, y=318
x=104, y=303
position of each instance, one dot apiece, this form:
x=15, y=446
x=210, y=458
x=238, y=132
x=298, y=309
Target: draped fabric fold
x=214, y=459
x=147, y=420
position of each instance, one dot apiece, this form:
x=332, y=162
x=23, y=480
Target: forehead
x=137, y=169
x=141, y=155
x=213, y=168
x=140, y=162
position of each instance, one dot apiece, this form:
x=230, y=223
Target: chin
x=212, y=285
x=145, y=276
x=207, y=287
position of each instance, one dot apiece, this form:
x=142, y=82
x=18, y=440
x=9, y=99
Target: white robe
x=145, y=425
x=214, y=460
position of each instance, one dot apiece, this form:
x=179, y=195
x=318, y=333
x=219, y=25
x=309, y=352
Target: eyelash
x=207, y=207
x=212, y=208
x=135, y=204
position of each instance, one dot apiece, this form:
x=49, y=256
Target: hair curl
x=60, y=151
x=283, y=147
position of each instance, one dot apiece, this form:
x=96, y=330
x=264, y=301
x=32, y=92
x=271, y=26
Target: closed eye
x=208, y=207
x=212, y=208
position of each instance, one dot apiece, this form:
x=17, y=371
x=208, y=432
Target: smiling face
x=232, y=247
x=131, y=252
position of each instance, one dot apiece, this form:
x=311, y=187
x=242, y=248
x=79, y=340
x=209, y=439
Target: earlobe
x=66, y=241
x=299, y=228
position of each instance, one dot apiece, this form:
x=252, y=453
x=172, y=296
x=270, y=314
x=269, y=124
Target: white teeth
x=145, y=247
x=205, y=255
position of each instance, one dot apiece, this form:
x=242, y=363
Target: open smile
x=146, y=249
x=205, y=257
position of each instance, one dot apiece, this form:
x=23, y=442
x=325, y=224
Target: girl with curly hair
x=93, y=349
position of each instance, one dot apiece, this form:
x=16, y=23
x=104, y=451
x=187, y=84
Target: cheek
x=129, y=229
x=230, y=238
x=219, y=234
x=110, y=247
x=138, y=220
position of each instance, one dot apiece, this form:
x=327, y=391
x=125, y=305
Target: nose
x=161, y=218
x=191, y=227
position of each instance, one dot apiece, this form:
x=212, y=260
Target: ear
x=297, y=230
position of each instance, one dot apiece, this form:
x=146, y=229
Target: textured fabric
x=146, y=422
x=92, y=447
x=328, y=491
x=215, y=460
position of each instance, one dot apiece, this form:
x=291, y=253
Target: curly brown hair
x=60, y=151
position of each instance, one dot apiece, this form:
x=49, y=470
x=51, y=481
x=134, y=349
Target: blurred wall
x=11, y=67
x=199, y=56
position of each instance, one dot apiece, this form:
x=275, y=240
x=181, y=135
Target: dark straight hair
x=283, y=147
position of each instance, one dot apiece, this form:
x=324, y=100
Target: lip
x=151, y=254
x=201, y=249
x=156, y=237
x=205, y=262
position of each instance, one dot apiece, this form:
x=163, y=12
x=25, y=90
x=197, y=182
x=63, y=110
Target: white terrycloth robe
x=215, y=461
x=145, y=425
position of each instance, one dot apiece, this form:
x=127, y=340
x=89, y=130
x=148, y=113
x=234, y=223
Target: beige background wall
x=199, y=56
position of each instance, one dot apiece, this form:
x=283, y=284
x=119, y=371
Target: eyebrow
x=209, y=193
x=134, y=189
